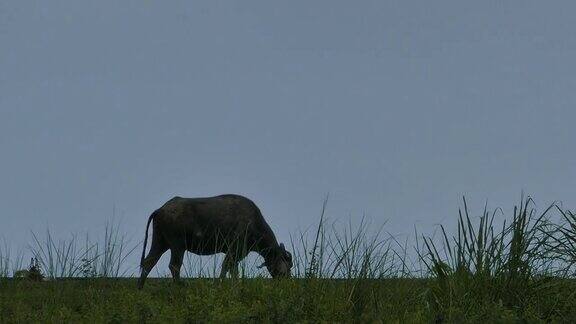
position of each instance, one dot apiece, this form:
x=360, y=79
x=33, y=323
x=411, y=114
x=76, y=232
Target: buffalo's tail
x=146, y=238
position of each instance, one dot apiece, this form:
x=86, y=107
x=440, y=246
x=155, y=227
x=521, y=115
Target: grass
x=9, y=265
x=494, y=267
x=203, y=300
x=68, y=258
x=483, y=266
x=257, y=300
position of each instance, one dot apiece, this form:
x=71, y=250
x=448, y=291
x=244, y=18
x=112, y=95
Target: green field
x=520, y=268
x=265, y=300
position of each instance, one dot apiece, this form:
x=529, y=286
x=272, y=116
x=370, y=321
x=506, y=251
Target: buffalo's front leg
x=230, y=264
x=233, y=257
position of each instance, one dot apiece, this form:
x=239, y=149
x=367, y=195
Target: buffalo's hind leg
x=158, y=248
x=176, y=258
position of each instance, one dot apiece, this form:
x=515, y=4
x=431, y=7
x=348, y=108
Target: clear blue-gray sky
x=397, y=108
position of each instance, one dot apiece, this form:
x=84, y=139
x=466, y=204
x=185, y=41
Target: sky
x=396, y=109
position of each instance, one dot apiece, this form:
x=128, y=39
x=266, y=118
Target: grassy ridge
x=493, y=268
x=198, y=300
x=264, y=300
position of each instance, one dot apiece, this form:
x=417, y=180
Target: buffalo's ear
x=282, y=246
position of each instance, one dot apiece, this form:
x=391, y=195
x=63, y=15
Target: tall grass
x=4, y=260
x=209, y=266
x=483, y=262
x=490, y=247
x=332, y=251
x=9, y=263
x=68, y=258
x=110, y=257
x=562, y=243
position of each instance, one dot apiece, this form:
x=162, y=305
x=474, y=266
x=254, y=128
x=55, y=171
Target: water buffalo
x=229, y=224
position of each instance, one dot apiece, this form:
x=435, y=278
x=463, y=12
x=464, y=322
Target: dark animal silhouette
x=229, y=224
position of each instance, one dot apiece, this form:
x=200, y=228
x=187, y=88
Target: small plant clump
x=87, y=269
x=33, y=273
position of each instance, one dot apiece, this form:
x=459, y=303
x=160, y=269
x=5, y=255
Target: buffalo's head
x=278, y=261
